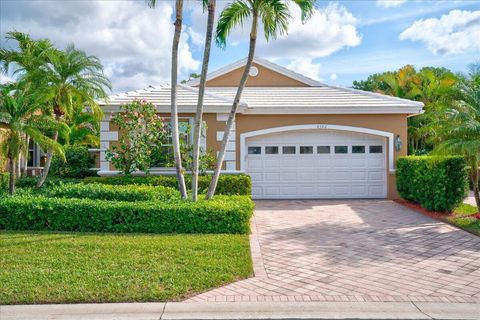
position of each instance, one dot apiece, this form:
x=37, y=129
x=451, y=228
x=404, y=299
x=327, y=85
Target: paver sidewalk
x=358, y=250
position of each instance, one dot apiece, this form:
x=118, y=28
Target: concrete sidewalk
x=248, y=310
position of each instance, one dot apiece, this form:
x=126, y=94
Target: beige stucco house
x=295, y=137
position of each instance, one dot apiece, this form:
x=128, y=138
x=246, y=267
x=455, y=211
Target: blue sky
x=344, y=41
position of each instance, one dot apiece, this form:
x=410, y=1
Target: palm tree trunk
x=197, y=128
x=11, y=180
x=174, y=109
x=23, y=171
x=474, y=175
x=231, y=117
x=48, y=162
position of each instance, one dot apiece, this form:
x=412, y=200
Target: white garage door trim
x=388, y=135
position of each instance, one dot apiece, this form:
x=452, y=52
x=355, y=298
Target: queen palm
x=29, y=57
x=173, y=95
x=460, y=132
x=19, y=112
x=274, y=15
x=201, y=93
x=71, y=77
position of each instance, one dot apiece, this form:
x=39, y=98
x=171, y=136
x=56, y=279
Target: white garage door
x=315, y=164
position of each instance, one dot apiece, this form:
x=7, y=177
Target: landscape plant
x=197, y=126
x=173, y=96
x=77, y=163
x=141, y=134
x=18, y=111
x=275, y=16
x=437, y=183
x=459, y=132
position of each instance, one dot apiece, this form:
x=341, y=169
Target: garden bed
x=43, y=267
x=465, y=216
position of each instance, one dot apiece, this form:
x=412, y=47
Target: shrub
x=116, y=193
x=224, y=214
x=31, y=182
x=436, y=183
x=4, y=176
x=227, y=184
x=78, y=163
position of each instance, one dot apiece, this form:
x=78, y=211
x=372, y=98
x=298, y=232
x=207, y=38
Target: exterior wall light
x=398, y=143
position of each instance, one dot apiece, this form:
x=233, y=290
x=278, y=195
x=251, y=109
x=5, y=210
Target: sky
x=342, y=42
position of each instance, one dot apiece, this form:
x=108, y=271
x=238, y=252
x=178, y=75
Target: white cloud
x=333, y=76
x=132, y=40
x=454, y=33
x=390, y=3
x=306, y=67
x=330, y=29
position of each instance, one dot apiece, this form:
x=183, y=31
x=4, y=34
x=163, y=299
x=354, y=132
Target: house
x=295, y=137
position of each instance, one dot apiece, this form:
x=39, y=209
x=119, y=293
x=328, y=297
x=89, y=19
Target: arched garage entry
x=317, y=161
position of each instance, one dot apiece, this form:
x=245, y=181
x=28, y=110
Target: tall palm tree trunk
x=174, y=109
x=23, y=170
x=201, y=93
x=474, y=176
x=11, y=171
x=48, y=162
x=231, y=117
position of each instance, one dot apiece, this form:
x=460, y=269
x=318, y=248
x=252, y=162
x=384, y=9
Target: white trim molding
x=388, y=135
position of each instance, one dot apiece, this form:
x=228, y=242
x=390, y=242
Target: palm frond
x=233, y=15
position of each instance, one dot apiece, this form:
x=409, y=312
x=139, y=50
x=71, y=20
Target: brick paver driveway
x=359, y=250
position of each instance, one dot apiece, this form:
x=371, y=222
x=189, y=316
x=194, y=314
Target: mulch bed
x=441, y=216
x=432, y=214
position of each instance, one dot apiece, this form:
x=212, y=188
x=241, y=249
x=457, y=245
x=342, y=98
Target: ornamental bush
x=31, y=182
x=129, y=193
x=224, y=214
x=78, y=163
x=436, y=183
x=227, y=184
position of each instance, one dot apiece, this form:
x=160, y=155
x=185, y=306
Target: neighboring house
x=295, y=137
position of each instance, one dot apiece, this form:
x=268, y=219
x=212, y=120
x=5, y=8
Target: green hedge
x=4, y=176
x=78, y=164
x=31, y=182
x=436, y=183
x=224, y=214
x=107, y=192
x=227, y=184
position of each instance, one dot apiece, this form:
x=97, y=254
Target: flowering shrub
x=142, y=132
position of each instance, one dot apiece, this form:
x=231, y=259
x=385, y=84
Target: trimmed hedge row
x=436, y=183
x=222, y=215
x=31, y=182
x=107, y=192
x=227, y=184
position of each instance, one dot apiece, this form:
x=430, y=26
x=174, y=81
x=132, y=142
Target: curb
x=247, y=310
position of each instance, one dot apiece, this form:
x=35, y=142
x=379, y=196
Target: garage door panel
x=317, y=175
x=272, y=176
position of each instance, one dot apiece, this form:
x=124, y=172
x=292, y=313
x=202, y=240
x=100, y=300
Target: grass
x=464, y=217
x=41, y=267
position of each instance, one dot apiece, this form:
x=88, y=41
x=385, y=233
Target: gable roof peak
x=263, y=62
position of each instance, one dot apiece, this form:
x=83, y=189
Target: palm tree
x=201, y=92
x=19, y=108
x=71, y=77
x=275, y=16
x=31, y=55
x=461, y=128
x=173, y=102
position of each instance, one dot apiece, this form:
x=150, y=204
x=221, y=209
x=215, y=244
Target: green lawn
x=78, y=267
x=464, y=218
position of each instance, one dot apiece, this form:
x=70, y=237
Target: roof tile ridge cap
x=211, y=94
x=376, y=94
